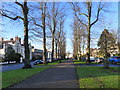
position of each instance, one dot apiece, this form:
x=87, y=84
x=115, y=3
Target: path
x=61, y=76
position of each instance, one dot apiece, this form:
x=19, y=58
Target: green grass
x=96, y=77
x=52, y=63
x=15, y=76
x=1, y=60
x=82, y=62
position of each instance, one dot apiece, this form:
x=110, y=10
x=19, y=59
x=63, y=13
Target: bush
x=34, y=58
x=17, y=57
x=9, y=55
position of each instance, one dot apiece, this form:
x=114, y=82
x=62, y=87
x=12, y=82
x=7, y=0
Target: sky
x=109, y=20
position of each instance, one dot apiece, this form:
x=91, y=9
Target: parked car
x=92, y=59
x=83, y=58
x=114, y=59
x=38, y=62
x=99, y=60
x=49, y=60
x=55, y=59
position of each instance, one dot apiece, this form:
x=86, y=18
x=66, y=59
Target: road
x=11, y=67
x=18, y=66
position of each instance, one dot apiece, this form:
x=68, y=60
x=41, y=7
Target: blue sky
x=110, y=20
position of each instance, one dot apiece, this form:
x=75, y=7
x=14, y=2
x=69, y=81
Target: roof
x=8, y=41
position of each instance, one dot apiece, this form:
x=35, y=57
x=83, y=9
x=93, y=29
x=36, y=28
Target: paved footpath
x=60, y=76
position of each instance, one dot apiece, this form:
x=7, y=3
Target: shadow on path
x=60, y=76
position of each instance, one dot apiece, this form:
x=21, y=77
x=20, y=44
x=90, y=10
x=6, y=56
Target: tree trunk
x=26, y=45
x=105, y=63
x=56, y=50
x=88, y=47
x=119, y=46
x=88, y=28
x=83, y=47
x=52, y=48
x=44, y=35
x=44, y=46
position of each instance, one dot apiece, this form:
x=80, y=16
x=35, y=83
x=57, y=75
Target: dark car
x=38, y=62
x=114, y=59
x=99, y=60
x=92, y=59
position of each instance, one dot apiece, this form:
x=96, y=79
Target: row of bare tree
x=79, y=38
x=39, y=18
x=85, y=17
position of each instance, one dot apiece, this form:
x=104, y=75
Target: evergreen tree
x=9, y=55
x=105, y=41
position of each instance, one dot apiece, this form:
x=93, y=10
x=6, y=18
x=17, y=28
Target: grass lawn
x=1, y=60
x=52, y=63
x=96, y=77
x=82, y=62
x=15, y=76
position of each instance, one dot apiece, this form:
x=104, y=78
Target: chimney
x=20, y=40
x=16, y=38
x=11, y=39
x=1, y=39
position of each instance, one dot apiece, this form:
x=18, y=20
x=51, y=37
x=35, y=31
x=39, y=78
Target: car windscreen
x=117, y=57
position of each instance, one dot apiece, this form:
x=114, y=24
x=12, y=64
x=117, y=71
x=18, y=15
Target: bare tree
x=40, y=21
x=58, y=34
x=24, y=17
x=77, y=39
x=61, y=38
x=54, y=14
x=88, y=24
x=62, y=45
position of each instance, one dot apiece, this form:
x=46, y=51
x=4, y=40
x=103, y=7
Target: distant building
x=69, y=55
x=16, y=45
x=113, y=50
x=49, y=53
x=94, y=52
x=38, y=54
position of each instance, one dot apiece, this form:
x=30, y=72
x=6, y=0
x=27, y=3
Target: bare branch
x=19, y=4
x=13, y=18
x=36, y=23
x=98, y=13
x=80, y=20
x=83, y=14
x=75, y=12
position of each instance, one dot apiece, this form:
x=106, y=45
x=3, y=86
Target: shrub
x=17, y=57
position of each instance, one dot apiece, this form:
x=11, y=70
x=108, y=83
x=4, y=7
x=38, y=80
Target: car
x=99, y=60
x=38, y=62
x=55, y=59
x=83, y=58
x=114, y=59
x=92, y=59
x=49, y=60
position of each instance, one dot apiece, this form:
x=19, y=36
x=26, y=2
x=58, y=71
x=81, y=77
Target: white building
x=69, y=55
x=16, y=44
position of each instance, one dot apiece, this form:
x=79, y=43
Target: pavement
x=60, y=76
